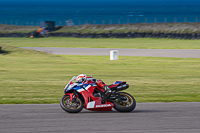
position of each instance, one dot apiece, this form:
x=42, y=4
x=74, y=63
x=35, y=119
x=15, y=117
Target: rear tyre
x=125, y=102
x=71, y=107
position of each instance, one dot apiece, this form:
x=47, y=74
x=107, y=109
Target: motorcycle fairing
x=116, y=83
x=91, y=102
x=119, y=82
x=94, y=103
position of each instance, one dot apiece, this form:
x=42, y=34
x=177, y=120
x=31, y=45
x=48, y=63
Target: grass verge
x=114, y=28
x=138, y=27
x=16, y=29
x=28, y=76
x=137, y=43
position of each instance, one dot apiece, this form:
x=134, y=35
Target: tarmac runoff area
x=179, y=53
x=146, y=118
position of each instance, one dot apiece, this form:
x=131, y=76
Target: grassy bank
x=17, y=29
x=138, y=27
x=137, y=43
x=28, y=76
x=115, y=28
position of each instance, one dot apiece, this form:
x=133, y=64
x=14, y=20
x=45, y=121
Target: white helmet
x=80, y=78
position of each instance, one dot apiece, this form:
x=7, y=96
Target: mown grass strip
x=138, y=27
x=119, y=28
x=17, y=29
x=137, y=43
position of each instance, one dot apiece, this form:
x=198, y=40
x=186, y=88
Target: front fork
x=72, y=96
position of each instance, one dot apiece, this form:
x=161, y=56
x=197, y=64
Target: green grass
x=28, y=76
x=114, y=28
x=17, y=29
x=139, y=27
x=137, y=43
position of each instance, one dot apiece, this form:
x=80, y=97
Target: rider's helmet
x=80, y=78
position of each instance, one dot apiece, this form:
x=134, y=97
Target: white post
x=114, y=55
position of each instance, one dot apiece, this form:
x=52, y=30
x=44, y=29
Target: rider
x=82, y=77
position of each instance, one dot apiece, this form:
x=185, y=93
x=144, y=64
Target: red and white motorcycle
x=90, y=96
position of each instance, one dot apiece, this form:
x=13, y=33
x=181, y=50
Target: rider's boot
x=108, y=91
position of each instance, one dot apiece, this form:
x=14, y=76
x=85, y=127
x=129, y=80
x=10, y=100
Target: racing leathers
x=101, y=84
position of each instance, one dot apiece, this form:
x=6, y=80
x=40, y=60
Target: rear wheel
x=125, y=102
x=72, y=107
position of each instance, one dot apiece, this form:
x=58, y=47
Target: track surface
x=181, y=53
x=147, y=117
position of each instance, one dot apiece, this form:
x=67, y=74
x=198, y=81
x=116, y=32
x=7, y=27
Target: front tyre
x=72, y=107
x=124, y=102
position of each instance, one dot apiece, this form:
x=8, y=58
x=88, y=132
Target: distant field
x=114, y=28
x=29, y=76
x=137, y=43
x=17, y=29
x=138, y=27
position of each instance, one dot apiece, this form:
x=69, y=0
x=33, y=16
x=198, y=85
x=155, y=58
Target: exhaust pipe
x=122, y=87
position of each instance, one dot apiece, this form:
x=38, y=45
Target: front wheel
x=72, y=107
x=124, y=102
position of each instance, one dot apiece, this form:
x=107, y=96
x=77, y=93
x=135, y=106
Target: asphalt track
x=147, y=117
x=180, y=53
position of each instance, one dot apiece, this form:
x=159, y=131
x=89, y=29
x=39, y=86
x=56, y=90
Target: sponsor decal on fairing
x=103, y=105
x=91, y=105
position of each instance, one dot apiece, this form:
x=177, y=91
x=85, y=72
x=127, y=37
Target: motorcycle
x=91, y=97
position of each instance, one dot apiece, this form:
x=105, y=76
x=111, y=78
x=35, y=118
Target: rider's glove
x=100, y=83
